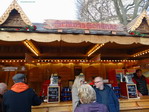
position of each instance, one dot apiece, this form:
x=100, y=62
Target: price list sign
x=53, y=94
x=132, y=91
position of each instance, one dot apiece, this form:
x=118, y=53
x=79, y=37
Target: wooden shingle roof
x=134, y=24
x=14, y=16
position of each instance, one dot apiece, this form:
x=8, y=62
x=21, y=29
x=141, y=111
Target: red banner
x=67, y=24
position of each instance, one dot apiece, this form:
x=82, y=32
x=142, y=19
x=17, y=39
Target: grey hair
x=3, y=87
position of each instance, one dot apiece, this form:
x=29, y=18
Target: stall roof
x=71, y=46
x=140, y=20
x=67, y=43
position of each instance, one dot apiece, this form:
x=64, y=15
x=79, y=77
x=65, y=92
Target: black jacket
x=20, y=102
x=107, y=97
x=141, y=84
x=1, y=101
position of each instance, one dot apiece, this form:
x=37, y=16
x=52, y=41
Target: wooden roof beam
x=94, y=49
x=31, y=47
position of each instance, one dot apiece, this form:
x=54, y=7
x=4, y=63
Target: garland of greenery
x=136, y=33
x=27, y=28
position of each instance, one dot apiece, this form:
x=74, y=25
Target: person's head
x=86, y=94
x=93, y=77
x=19, y=77
x=79, y=80
x=3, y=88
x=59, y=79
x=98, y=81
x=139, y=72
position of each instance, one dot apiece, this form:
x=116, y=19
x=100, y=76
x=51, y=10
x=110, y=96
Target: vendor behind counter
x=44, y=88
x=141, y=81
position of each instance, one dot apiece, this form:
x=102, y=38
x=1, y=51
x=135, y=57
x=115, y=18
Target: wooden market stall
x=69, y=48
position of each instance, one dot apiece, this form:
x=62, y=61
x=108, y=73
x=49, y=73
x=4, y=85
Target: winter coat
x=75, y=98
x=141, y=83
x=1, y=101
x=20, y=98
x=92, y=107
x=107, y=97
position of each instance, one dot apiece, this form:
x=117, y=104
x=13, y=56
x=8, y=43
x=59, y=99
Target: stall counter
x=53, y=107
x=135, y=105
x=126, y=105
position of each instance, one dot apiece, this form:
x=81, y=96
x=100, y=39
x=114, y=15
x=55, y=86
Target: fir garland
x=136, y=33
x=27, y=28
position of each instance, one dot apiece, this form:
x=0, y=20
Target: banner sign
x=10, y=68
x=69, y=24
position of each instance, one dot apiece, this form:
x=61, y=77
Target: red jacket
x=44, y=88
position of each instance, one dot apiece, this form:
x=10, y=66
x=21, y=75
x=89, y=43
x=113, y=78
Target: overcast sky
x=39, y=10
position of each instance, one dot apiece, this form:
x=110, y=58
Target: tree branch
x=118, y=11
x=137, y=2
x=124, y=16
x=146, y=6
x=129, y=5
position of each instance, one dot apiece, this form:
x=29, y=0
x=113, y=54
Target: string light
x=141, y=53
x=64, y=61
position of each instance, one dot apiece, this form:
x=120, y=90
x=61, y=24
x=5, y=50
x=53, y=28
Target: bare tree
x=121, y=11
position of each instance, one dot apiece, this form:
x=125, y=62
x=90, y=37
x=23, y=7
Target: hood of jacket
x=19, y=87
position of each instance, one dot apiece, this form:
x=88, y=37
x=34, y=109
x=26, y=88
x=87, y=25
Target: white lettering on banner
x=10, y=68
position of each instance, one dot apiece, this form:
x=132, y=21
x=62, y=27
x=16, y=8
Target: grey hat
x=18, y=77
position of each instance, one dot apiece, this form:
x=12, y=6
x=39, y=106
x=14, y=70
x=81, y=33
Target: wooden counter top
x=53, y=107
x=126, y=105
x=139, y=104
x=44, y=105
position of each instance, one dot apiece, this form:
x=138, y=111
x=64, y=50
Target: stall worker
x=46, y=83
x=141, y=81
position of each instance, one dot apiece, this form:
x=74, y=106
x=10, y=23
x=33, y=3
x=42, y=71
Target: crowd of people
x=82, y=94
x=86, y=97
